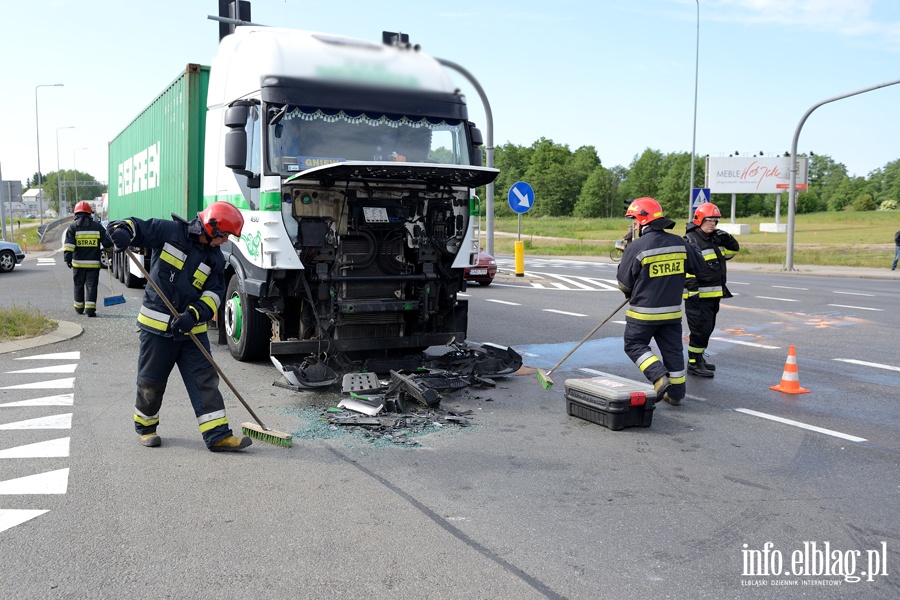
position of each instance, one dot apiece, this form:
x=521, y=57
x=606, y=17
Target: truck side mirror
x=236, y=119
x=477, y=139
x=477, y=157
x=236, y=151
x=236, y=115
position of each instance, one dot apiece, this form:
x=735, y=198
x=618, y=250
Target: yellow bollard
x=520, y=259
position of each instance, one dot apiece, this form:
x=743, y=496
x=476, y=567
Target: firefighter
x=85, y=240
x=651, y=275
x=188, y=266
x=704, y=291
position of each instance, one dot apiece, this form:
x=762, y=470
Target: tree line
x=76, y=186
x=575, y=183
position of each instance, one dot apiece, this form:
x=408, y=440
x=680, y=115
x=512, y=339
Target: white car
x=10, y=255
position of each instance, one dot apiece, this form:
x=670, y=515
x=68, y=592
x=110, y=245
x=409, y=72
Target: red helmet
x=221, y=218
x=644, y=210
x=707, y=210
x=83, y=207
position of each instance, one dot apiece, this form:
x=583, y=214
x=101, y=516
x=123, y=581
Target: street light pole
x=694, y=141
x=792, y=197
x=59, y=194
x=37, y=129
x=74, y=168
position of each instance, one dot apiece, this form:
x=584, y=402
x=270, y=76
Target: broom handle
x=593, y=331
x=174, y=312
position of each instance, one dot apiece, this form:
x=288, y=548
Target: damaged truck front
x=354, y=165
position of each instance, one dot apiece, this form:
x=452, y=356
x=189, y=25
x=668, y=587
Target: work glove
x=186, y=320
x=121, y=235
x=722, y=236
x=69, y=263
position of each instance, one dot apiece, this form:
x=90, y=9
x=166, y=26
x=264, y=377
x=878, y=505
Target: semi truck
x=354, y=165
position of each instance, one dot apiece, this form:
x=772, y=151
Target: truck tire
x=128, y=279
x=245, y=327
x=119, y=258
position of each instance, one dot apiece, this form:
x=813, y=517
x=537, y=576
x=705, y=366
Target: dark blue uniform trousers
x=668, y=340
x=157, y=357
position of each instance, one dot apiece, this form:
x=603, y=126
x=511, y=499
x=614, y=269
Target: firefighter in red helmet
x=704, y=291
x=189, y=268
x=85, y=239
x=651, y=275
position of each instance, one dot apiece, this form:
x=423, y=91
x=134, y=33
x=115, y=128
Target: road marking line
x=771, y=298
x=853, y=293
x=60, y=400
x=743, y=343
x=49, y=449
x=463, y=295
x=56, y=356
x=620, y=322
x=787, y=287
x=63, y=421
x=739, y=283
x=503, y=302
x=10, y=517
x=51, y=482
x=562, y=312
x=54, y=369
x=867, y=364
x=857, y=307
x=54, y=384
x=838, y=434
x=592, y=371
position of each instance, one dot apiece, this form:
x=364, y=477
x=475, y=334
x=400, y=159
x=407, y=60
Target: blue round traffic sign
x=520, y=197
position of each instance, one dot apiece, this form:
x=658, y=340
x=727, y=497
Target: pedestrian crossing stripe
x=54, y=369
x=63, y=421
x=9, y=518
x=60, y=400
x=54, y=384
x=57, y=356
x=49, y=449
x=51, y=482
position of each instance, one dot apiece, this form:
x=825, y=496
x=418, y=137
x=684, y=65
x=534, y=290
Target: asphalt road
x=526, y=502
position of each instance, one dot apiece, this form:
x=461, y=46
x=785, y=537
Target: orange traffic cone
x=790, y=379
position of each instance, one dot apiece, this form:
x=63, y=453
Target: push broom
x=544, y=376
x=112, y=300
x=255, y=430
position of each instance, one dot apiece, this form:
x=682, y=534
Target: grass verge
x=18, y=323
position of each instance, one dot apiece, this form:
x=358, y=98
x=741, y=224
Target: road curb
x=66, y=331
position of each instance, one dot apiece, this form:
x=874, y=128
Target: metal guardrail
x=44, y=228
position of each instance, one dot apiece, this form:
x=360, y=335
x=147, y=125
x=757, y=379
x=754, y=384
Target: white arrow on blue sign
x=698, y=197
x=520, y=197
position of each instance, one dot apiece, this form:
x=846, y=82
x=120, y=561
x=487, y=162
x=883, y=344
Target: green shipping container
x=156, y=163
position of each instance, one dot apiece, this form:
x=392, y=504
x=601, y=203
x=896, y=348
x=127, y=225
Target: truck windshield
x=307, y=137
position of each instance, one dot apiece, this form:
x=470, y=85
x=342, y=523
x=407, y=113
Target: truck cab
x=354, y=165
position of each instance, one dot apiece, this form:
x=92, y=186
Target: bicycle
x=618, y=250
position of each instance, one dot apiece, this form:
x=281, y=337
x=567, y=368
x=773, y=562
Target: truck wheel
x=128, y=279
x=119, y=258
x=245, y=327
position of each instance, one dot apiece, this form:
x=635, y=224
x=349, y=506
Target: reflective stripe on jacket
x=652, y=273
x=84, y=241
x=709, y=282
x=188, y=273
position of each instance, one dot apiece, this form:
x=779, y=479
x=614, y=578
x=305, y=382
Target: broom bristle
x=110, y=301
x=270, y=436
x=544, y=378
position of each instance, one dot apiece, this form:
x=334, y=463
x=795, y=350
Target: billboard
x=753, y=174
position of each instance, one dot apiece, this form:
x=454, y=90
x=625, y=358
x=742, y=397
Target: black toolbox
x=611, y=401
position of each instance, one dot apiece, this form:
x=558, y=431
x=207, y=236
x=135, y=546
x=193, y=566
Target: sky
x=618, y=75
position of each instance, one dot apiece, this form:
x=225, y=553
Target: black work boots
x=698, y=366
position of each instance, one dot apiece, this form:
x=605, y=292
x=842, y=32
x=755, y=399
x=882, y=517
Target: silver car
x=10, y=255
